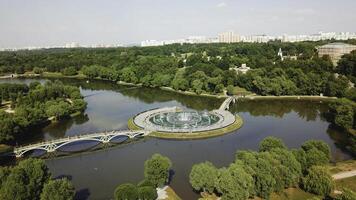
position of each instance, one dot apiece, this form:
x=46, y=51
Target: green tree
x=203, y=177
x=342, y=111
x=147, y=193
x=57, y=110
x=315, y=157
x=157, y=170
x=14, y=188
x=270, y=143
x=69, y=71
x=234, y=183
x=317, y=144
x=230, y=90
x=292, y=168
x=25, y=181
x=318, y=181
x=60, y=189
x=38, y=70
x=126, y=191
x=347, y=64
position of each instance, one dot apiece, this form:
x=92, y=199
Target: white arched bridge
x=104, y=137
x=226, y=104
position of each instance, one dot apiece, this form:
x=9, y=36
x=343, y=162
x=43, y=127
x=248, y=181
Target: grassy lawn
x=198, y=135
x=292, y=194
x=346, y=183
x=240, y=91
x=343, y=166
x=171, y=194
x=207, y=196
x=60, y=75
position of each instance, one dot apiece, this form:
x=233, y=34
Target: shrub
x=318, y=181
x=147, y=193
x=126, y=191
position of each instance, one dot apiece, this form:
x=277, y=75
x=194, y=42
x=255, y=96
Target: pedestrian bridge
x=226, y=104
x=104, y=137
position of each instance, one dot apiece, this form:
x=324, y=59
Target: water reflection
x=307, y=109
x=96, y=174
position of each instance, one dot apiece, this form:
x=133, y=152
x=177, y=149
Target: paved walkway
x=343, y=175
x=162, y=194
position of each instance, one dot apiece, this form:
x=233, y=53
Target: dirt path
x=342, y=175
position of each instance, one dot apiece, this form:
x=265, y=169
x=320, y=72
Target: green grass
x=60, y=75
x=197, y=135
x=171, y=195
x=346, y=183
x=240, y=91
x=342, y=166
x=292, y=194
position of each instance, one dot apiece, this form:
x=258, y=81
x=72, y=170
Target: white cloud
x=221, y=5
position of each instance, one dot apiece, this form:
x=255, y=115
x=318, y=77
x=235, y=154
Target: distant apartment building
x=148, y=43
x=335, y=50
x=228, y=37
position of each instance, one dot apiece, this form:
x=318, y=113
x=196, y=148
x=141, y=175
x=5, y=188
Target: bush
x=69, y=71
x=147, y=193
x=144, y=183
x=318, y=181
x=270, y=143
x=315, y=157
x=60, y=189
x=157, y=170
x=38, y=70
x=126, y=191
x=318, y=144
x=203, y=177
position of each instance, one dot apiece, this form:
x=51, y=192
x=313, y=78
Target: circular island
x=175, y=123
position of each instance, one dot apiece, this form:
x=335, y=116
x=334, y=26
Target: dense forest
x=200, y=68
x=25, y=106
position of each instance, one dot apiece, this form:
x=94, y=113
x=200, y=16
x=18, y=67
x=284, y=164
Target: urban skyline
x=52, y=23
x=229, y=37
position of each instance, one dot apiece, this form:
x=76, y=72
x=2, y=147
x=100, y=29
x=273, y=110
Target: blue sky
x=56, y=22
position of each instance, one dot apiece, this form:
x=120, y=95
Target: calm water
x=96, y=174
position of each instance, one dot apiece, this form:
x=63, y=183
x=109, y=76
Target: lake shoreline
x=188, y=93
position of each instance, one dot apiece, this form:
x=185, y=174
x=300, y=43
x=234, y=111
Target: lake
x=96, y=174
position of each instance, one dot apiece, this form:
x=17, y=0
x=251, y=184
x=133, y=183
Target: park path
x=342, y=175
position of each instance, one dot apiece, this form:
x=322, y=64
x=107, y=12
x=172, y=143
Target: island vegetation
x=25, y=106
x=156, y=173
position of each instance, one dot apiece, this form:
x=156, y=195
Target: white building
x=241, y=70
x=228, y=37
x=148, y=43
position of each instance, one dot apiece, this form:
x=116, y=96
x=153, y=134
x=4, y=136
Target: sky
x=57, y=22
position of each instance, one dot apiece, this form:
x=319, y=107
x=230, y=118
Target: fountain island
x=175, y=123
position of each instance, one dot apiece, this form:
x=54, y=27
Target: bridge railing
x=75, y=137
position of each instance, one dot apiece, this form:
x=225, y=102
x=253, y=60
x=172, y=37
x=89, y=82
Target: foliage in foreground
x=272, y=169
x=156, y=174
x=30, y=179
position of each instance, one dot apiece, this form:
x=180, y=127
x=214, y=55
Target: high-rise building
x=229, y=37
